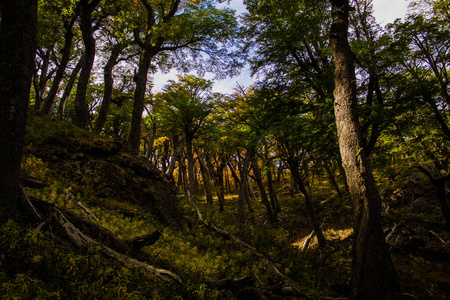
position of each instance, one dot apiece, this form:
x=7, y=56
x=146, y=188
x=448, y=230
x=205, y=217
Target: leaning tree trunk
x=373, y=272
x=17, y=51
x=68, y=89
x=49, y=101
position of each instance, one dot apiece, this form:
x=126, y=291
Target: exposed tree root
x=85, y=234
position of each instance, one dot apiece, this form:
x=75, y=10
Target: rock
x=108, y=171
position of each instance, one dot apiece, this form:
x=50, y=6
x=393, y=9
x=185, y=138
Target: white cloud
x=386, y=11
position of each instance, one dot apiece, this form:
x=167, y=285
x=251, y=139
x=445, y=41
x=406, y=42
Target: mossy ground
x=36, y=265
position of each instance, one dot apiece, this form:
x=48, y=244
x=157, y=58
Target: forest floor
x=43, y=265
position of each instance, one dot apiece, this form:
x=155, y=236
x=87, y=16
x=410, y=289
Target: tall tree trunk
x=293, y=186
x=191, y=172
x=149, y=48
x=69, y=87
x=293, y=166
x=81, y=106
x=17, y=53
x=109, y=83
x=49, y=101
x=139, y=100
x=243, y=187
x=373, y=273
x=150, y=145
x=218, y=180
x=206, y=178
x=264, y=199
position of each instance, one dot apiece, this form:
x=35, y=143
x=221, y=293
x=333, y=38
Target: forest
x=327, y=178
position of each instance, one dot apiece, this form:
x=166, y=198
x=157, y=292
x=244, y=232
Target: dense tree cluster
x=337, y=95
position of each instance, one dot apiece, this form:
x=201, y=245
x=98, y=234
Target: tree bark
x=273, y=195
x=109, y=83
x=191, y=173
x=17, y=53
x=218, y=180
x=149, y=48
x=68, y=38
x=206, y=178
x=243, y=186
x=139, y=100
x=373, y=273
x=264, y=198
x=69, y=87
x=81, y=106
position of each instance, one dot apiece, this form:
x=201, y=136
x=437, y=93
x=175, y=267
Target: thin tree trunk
x=293, y=166
x=264, y=199
x=236, y=178
x=109, y=83
x=49, y=101
x=373, y=273
x=40, y=82
x=218, y=180
x=243, y=188
x=333, y=180
x=150, y=144
x=17, y=53
x=175, y=155
x=273, y=195
x=439, y=185
x=69, y=87
x=191, y=173
x=206, y=178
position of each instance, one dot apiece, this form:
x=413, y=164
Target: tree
x=424, y=40
x=86, y=8
x=17, y=51
x=51, y=17
x=173, y=27
x=188, y=104
x=373, y=272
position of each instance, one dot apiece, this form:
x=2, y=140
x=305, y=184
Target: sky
x=385, y=11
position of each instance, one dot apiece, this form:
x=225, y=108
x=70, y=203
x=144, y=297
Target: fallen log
x=144, y=240
x=33, y=182
x=84, y=241
x=85, y=234
x=232, y=283
x=244, y=246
